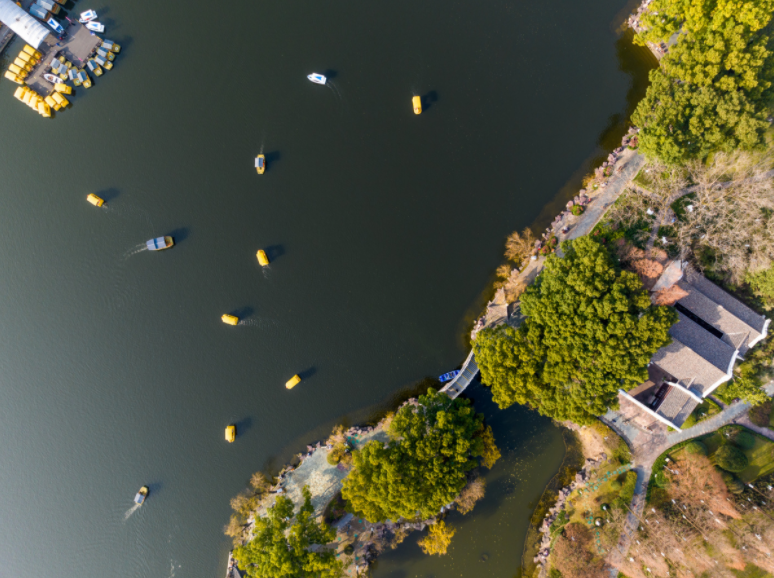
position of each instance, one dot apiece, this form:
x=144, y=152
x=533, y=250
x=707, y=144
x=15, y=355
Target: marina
x=60, y=53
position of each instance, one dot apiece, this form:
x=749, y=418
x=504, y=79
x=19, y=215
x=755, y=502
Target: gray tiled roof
x=675, y=404
x=713, y=350
x=735, y=331
x=722, y=298
x=688, y=367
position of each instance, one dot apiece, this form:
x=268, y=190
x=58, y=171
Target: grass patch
x=705, y=410
x=751, y=571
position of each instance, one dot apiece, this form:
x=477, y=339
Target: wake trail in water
x=131, y=511
x=259, y=323
x=133, y=251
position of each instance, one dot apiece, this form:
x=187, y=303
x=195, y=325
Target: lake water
x=384, y=228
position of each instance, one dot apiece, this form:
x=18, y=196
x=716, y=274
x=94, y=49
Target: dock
x=77, y=47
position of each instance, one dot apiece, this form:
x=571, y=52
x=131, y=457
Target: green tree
x=280, y=546
x=423, y=468
x=713, y=88
x=590, y=330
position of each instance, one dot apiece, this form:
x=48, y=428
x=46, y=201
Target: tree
x=434, y=443
x=713, y=88
x=730, y=458
x=471, y=494
x=519, y=246
x=572, y=555
x=438, y=539
x=747, y=389
x=590, y=330
x=491, y=453
x=280, y=547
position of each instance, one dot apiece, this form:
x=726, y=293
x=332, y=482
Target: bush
x=616, y=484
x=627, y=490
x=760, y=415
x=660, y=479
x=730, y=458
x=696, y=447
x=577, y=210
x=745, y=440
x=334, y=456
x=762, y=284
x=554, y=573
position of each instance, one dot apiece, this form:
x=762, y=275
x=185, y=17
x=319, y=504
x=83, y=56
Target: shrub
x=577, y=210
x=616, y=484
x=730, y=458
x=660, y=479
x=696, y=447
x=745, y=440
x=762, y=284
x=627, y=490
x=335, y=455
x=554, y=573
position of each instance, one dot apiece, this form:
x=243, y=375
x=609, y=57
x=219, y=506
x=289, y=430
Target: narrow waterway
x=383, y=228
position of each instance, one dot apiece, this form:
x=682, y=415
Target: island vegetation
x=433, y=446
x=426, y=465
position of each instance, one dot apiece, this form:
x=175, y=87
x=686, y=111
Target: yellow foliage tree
x=438, y=539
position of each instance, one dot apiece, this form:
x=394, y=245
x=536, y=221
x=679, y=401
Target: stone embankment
x=609, y=180
x=581, y=479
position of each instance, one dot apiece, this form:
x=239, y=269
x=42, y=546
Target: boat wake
x=131, y=511
x=134, y=250
x=259, y=323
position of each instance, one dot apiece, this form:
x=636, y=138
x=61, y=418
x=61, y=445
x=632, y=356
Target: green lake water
x=384, y=229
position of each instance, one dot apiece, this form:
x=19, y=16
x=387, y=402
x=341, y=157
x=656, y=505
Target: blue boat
x=159, y=243
x=449, y=376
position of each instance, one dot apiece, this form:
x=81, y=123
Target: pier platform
x=77, y=47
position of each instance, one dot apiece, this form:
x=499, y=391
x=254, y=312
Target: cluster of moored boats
x=61, y=70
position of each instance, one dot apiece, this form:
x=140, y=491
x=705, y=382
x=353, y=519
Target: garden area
x=741, y=456
x=704, y=410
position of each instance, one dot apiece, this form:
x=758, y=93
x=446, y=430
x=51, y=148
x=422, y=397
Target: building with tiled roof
x=713, y=331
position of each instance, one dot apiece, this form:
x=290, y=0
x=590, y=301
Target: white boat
x=95, y=26
x=52, y=79
x=317, y=78
x=159, y=243
x=55, y=26
x=87, y=16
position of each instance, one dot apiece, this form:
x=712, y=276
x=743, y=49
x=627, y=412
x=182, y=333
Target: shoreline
x=622, y=164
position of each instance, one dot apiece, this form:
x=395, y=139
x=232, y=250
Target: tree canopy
x=280, y=546
x=590, y=329
x=714, y=84
x=433, y=445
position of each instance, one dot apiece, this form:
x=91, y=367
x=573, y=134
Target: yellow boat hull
x=263, y=259
x=95, y=200
x=417, y=104
x=293, y=382
x=229, y=319
x=230, y=433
